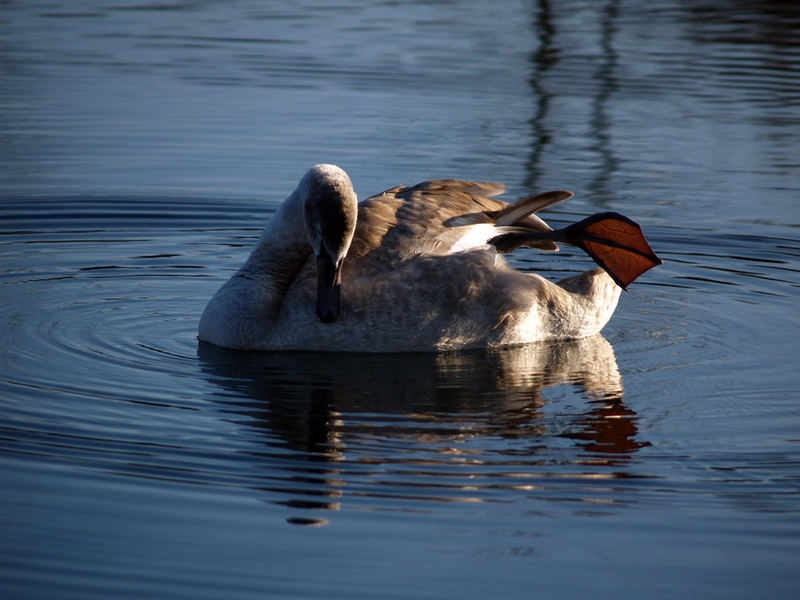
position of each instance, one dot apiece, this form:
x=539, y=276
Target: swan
x=417, y=268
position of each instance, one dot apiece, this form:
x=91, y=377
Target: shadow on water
x=544, y=82
x=545, y=56
x=592, y=73
x=445, y=427
x=599, y=123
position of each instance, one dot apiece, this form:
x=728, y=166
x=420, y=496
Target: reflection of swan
x=305, y=393
x=338, y=421
x=423, y=272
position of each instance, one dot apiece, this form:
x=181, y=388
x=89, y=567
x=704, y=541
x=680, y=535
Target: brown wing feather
x=402, y=220
x=407, y=220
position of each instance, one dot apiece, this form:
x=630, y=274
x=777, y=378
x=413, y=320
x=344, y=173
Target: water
x=145, y=144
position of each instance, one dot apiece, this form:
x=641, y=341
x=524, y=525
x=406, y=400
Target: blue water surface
x=145, y=145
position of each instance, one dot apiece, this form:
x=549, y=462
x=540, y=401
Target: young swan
x=416, y=269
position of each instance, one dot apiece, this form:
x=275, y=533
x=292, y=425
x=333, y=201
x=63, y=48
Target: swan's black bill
x=329, y=285
x=613, y=241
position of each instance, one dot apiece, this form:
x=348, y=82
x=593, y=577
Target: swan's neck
x=249, y=302
x=282, y=250
x=283, y=245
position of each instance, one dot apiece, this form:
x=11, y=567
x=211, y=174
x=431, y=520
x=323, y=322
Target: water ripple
x=311, y=431
x=144, y=144
x=306, y=430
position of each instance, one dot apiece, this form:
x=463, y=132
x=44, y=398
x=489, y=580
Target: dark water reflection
x=434, y=427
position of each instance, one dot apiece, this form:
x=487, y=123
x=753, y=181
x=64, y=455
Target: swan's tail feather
x=522, y=213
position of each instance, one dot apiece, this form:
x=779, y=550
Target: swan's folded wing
x=405, y=221
x=437, y=216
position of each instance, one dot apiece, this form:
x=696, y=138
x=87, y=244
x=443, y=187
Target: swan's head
x=330, y=209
